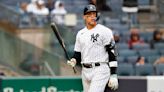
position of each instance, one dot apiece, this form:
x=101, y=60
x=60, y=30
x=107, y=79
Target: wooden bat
x=61, y=41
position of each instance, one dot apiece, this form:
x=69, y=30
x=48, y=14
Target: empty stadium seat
x=146, y=36
x=147, y=53
x=108, y=20
x=144, y=70
x=127, y=53
x=125, y=36
x=162, y=52
x=121, y=59
x=159, y=69
x=122, y=46
x=143, y=2
x=132, y=59
x=141, y=46
x=125, y=69
x=151, y=59
x=159, y=46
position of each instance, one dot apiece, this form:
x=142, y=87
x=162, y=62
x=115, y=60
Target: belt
x=90, y=65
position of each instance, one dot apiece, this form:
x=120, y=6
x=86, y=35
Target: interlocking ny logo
x=94, y=37
x=91, y=7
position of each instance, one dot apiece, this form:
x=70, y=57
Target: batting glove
x=72, y=62
x=113, y=82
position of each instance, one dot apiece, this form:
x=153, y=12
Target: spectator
x=40, y=13
x=25, y=18
x=23, y=8
x=40, y=8
x=31, y=6
x=92, y=2
x=100, y=4
x=134, y=39
x=58, y=13
x=159, y=60
x=50, y=5
x=157, y=38
x=116, y=36
x=140, y=60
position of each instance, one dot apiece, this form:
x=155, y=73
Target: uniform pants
x=95, y=79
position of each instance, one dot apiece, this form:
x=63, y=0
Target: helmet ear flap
x=97, y=16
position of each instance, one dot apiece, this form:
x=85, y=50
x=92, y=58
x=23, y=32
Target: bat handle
x=74, y=69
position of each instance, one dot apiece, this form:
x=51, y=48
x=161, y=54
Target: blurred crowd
x=141, y=50
x=41, y=12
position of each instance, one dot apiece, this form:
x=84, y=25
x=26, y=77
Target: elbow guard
x=110, y=48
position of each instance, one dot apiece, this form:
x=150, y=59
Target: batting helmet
x=90, y=8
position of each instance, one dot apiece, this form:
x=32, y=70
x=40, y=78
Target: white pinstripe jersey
x=91, y=43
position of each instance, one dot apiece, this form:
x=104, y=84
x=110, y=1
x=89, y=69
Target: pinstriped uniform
x=91, y=44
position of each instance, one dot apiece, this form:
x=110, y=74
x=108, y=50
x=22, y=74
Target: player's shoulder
x=100, y=26
x=81, y=31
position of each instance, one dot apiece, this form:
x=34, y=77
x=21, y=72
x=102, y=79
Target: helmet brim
x=89, y=12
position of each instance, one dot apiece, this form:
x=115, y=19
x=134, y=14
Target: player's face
x=90, y=18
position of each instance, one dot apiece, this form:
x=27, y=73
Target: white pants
x=95, y=79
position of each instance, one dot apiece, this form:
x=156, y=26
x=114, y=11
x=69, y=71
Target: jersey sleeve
x=107, y=36
x=77, y=47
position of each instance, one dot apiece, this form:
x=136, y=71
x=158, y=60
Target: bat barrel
x=61, y=41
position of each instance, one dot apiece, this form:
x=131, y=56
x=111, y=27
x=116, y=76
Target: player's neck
x=89, y=27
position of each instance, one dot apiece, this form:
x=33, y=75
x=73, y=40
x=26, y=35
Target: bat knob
x=52, y=24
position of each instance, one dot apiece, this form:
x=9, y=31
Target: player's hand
x=113, y=82
x=72, y=62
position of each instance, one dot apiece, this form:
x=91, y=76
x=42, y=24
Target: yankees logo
x=94, y=37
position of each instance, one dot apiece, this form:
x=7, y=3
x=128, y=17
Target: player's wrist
x=114, y=75
x=113, y=82
x=113, y=63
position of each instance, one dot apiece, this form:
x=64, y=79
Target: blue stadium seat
x=111, y=21
x=132, y=59
x=127, y=53
x=159, y=46
x=146, y=36
x=159, y=69
x=122, y=46
x=151, y=59
x=143, y=2
x=115, y=5
x=144, y=70
x=125, y=35
x=121, y=27
x=161, y=6
x=125, y=69
x=144, y=46
x=147, y=53
x=121, y=59
x=161, y=52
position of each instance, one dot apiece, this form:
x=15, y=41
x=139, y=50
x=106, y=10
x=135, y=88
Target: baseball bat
x=61, y=41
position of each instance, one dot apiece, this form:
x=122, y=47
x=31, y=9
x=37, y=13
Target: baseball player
x=94, y=48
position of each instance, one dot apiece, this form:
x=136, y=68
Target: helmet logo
x=91, y=7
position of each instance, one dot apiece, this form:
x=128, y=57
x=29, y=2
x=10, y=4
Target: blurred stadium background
x=30, y=50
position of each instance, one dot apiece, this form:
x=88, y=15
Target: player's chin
x=93, y=23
